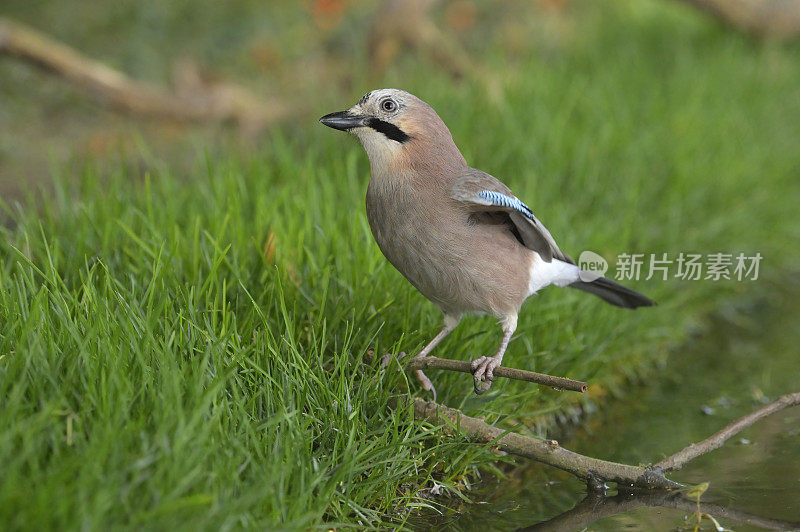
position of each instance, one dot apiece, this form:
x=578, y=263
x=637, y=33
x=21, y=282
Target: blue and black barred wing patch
x=509, y=202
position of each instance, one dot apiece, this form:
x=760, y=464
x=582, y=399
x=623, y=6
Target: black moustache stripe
x=390, y=130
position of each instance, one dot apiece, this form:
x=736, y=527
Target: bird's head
x=395, y=127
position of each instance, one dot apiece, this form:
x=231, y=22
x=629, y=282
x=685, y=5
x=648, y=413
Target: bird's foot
x=427, y=385
x=483, y=373
x=426, y=382
x=387, y=359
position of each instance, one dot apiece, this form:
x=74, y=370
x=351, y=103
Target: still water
x=748, y=354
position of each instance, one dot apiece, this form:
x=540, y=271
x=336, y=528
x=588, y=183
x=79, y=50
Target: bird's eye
x=389, y=106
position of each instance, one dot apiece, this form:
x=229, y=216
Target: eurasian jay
x=459, y=235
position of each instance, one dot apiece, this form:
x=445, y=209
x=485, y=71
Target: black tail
x=614, y=293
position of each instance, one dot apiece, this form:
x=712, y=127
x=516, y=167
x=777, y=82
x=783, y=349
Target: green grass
x=191, y=351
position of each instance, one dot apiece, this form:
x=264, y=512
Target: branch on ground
x=193, y=100
x=764, y=18
x=559, y=383
x=592, y=470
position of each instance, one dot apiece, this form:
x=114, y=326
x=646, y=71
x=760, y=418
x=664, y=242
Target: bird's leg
x=450, y=323
x=483, y=367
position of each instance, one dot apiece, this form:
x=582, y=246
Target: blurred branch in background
x=194, y=99
x=408, y=23
x=764, y=18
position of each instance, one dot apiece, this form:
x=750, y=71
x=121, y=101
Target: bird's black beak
x=344, y=120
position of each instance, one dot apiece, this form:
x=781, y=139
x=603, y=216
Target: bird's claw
x=481, y=387
x=423, y=379
x=426, y=382
x=387, y=359
x=475, y=364
x=483, y=373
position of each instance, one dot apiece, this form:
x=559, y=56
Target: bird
x=457, y=234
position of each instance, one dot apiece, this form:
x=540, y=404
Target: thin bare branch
x=559, y=383
x=693, y=450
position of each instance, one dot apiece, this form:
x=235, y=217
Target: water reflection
x=597, y=506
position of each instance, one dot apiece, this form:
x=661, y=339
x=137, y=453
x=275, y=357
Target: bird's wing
x=483, y=192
